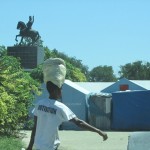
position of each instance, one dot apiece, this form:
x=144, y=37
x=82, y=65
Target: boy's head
x=54, y=71
x=54, y=90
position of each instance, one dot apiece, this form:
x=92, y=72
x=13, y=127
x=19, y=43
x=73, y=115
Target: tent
x=130, y=110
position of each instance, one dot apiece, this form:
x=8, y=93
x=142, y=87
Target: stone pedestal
x=30, y=57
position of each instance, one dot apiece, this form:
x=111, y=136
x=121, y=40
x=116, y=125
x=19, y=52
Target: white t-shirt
x=50, y=114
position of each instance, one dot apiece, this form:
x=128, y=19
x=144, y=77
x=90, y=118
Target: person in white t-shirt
x=48, y=115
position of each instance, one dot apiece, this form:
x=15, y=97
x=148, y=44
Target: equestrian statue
x=26, y=32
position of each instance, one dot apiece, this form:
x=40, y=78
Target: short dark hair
x=51, y=87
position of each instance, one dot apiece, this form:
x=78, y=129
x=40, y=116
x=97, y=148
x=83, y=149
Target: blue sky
x=98, y=32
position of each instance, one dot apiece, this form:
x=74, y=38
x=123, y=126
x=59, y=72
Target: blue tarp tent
x=131, y=110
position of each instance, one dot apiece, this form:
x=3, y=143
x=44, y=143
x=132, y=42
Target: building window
x=124, y=87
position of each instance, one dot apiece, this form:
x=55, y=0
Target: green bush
x=17, y=91
x=29, y=124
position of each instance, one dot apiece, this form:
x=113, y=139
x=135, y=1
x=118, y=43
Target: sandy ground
x=85, y=140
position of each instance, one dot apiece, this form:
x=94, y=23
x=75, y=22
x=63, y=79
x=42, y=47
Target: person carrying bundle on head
x=50, y=113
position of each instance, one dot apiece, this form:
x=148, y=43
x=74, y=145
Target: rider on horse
x=30, y=22
x=26, y=32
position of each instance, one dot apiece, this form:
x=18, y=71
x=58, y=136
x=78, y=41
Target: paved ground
x=85, y=140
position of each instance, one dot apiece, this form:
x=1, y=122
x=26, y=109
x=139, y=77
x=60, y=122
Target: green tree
x=102, y=74
x=72, y=60
x=37, y=73
x=3, y=51
x=75, y=70
x=135, y=71
x=17, y=91
x=74, y=74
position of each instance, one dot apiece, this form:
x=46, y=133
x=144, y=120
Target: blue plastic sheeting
x=131, y=110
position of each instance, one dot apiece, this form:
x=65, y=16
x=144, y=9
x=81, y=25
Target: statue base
x=30, y=56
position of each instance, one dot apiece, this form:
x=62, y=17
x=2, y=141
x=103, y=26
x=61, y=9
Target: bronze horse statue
x=27, y=33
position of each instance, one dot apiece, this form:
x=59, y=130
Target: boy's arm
x=84, y=125
x=32, y=134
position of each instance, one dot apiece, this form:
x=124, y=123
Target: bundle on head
x=54, y=70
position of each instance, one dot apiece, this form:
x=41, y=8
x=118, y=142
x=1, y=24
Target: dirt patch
x=85, y=140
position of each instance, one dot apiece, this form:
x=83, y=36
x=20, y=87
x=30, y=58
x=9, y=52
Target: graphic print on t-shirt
x=47, y=109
